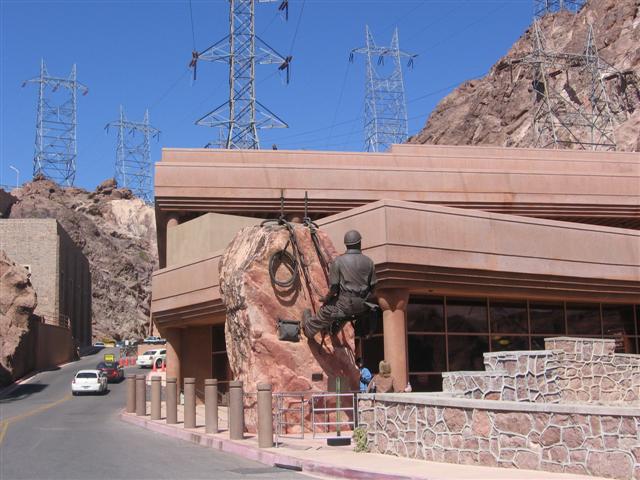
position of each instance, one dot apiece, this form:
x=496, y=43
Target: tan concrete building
x=59, y=272
x=477, y=249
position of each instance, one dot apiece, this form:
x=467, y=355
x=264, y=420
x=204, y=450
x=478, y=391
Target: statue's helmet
x=352, y=237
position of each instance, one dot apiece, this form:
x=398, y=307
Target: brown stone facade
x=572, y=408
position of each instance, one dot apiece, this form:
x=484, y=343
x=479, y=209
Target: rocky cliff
x=117, y=234
x=17, y=302
x=498, y=108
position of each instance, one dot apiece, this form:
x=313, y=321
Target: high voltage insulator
x=56, y=124
x=133, y=155
x=385, y=109
x=242, y=115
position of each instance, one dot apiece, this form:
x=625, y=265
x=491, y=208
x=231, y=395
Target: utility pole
x=563, y=118
x=242, y=115
x=56, y=123
x=385, y=109
x=543, y=7
x=133, y=155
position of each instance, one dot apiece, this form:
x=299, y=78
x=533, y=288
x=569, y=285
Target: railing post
x=211, y=405
x=189, y=403
x=172, y=400
x=236, y=410
x=265, y=415
x=141, y=396
x=156, y=392
x=131, y=393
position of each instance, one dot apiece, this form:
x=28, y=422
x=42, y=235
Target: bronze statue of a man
x=352, y=278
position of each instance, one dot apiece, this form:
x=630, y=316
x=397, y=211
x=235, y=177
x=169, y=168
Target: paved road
x=48, y=434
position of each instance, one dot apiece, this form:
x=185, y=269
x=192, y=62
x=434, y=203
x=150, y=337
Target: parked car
x=99, y=344
x=146, y=359
x=113, y=371
x=153, y=340
x=92, y=381
x=160, y=358
x=119, y=344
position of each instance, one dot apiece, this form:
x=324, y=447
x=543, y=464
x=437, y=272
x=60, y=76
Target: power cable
x=193, y=31
x=295, y=33
x=335, y=114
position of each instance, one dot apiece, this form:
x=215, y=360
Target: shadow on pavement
x=22, y=392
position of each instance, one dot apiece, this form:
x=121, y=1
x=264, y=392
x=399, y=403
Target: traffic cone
x=154, y=368
x=164, y=366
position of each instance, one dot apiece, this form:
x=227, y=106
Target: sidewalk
x=314, y=457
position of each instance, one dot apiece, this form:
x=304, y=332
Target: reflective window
x=425, y=315
x=217, y=337
x=508, y=317
x=373, y=352
x=467, y=315
x=504, y=342
x=465, y=351
x=618, y=319
x=547, y=318
x=425, y=383
x=427, y=353
x=583, y=319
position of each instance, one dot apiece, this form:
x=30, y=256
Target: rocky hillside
x=497, y=109
x=117, y=234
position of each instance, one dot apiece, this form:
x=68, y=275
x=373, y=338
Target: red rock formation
x=254, y=305
x=17, y=302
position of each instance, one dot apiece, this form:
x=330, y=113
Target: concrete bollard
x=211, y=405
x=189, y=403
x=172, y=400
x=131, y=393
x=236, y=410
x=265, y=416
x=156, y=397
x=141, y=395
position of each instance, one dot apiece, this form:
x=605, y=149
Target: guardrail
x=320, y=408
x=289, y=412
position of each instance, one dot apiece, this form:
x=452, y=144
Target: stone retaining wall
x=601, y=441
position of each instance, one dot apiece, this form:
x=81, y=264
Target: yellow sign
x=109, y=357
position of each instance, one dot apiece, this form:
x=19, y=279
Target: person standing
x=365, y=375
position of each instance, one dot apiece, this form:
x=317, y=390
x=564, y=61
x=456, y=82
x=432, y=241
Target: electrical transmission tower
x=56, y=122
x=133, y=155
x=242, y=115
x=562, y=117
x=385, y=109
x=543, y=7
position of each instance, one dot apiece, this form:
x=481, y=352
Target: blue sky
x=135, y=53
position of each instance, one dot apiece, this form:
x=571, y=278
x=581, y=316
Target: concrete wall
x=54, y=345
x=202, y=236
x=196, y=356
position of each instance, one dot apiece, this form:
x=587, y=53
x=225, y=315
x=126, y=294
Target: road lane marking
x=6, y=422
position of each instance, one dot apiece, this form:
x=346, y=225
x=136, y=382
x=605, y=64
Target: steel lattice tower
x=385, y=109
x=56, y=123
x=543, y=7
x=133, y=155
x=561, y=117
x=242, y=115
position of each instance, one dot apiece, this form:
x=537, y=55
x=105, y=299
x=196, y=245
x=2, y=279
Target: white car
x=93, y=381
x=148, y=357
x=160, y=358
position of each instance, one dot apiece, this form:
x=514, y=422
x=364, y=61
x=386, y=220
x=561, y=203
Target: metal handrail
x=281, y=422
x=326, y=411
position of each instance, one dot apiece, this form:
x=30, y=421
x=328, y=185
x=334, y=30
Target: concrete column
x=394, y=326
x=172, y=401
x=141, y=395
x=172, y=221
x=265, y=416
x=131, y=393
x=189, y=403
x=211, y=405
x=174, y=347
x=236, y=410
x=156, y=392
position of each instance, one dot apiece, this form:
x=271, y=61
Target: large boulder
x=254, y=304
x=17, y=302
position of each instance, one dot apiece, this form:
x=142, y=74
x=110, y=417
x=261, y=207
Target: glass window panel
x=372, y=352
x=508, y=317
x=547, y=318
x=467, y=315
x=618, y=319
x=427, y=353
x=583, y=319
x=537, y=343
x=465, y=351
x=425, y=315
x=425, y=383
x=217, y=336
x=503, y=343
x=220, y=367
x=638, y=319
x=369, y=326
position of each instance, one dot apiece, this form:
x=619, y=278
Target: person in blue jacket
x=365, y=375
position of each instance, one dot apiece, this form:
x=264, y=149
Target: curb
x=266, y=457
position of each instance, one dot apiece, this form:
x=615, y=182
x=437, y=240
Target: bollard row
x=137, y=403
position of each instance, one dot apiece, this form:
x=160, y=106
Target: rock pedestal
x=254, y=304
